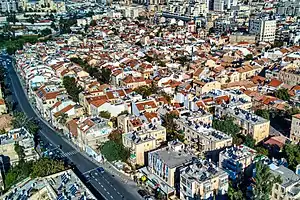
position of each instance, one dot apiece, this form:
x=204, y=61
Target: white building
x=263, y=29
x=8, y=6
x=218, y=5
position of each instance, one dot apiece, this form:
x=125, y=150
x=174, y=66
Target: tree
x=125, y=112
x=116, y=136
x=144, y=90
x=93, y=23
x=235, y=193
x=62, y=118
x=282, y=94
x=105, y=114
x=45, y=32
x=105, y=75
x=227, y=126
x=263, y=113
x=262, y=151
x=249, y=57
x=45, y=166
x=20, y=151
x=249, y=141
x=17, y=173
x=263, y=182
x=20, y=120
x=113, y=151
x=72, y=89
x=170, y=124
x=292, y=153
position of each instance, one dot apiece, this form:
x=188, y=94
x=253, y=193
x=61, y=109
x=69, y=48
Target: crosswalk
x=70, y=153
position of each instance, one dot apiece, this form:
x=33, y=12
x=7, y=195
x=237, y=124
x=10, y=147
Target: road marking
x=104, y=189
x=111, y=197
x=115, y=189
x=90, y=171
x=101, y=185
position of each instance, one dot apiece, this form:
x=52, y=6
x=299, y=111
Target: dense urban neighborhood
x=175, y=99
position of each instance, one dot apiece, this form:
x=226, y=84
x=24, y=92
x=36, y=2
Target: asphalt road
x=105, y=184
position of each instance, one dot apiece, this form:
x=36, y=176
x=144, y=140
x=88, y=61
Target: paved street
x=108, y=186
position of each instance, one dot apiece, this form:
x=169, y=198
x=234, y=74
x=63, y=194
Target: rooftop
x=59, y=186
x=202, y=170
x=174, y=155
x=238, y=152
x=204, y=129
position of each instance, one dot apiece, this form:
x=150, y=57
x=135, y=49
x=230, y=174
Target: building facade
x=264, y=30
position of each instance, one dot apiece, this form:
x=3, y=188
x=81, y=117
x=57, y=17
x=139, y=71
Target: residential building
x=219, y=5
x=46, y=96
x=90, y=131
x=255, y=126
x=295, y=129
x=21, y=137
x=140, y=142
x=205, y=85
x=164, y=165
x=50, y=188
x=264, y=29
x=289, y=188
x=202, y=136
x=234, y=160
x=203, y=180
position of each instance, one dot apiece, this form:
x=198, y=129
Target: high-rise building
x=263, y=29
x=218, y=5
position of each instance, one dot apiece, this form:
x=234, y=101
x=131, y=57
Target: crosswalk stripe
x=70, y=153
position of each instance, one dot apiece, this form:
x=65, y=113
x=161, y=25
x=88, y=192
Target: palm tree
x=62, y=119
x=263, y=182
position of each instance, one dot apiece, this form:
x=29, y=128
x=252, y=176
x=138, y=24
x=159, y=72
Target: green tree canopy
x=20, y=120
x=263, y=182
x=20, y=151
x=282, y=94
x=105, y=114
x=45, y=166
x=235, y=193
x=113, y=151
x=169, y=123
x=116, y=136
x=144, y=90
x=72, y=89
x=249, y=57
x=292, y=153
x=263, y=113
x=227, y=126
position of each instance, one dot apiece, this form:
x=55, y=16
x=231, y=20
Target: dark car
x=100, y=170
x=142, y=193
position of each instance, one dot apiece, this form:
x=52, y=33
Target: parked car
x=100, y=170
x=143, y=193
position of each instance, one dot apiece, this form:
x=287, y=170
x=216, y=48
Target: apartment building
x=218, y=5
x=143, y=141
x=250, y=123
x=235, y=159
x=202, y=136
x=164, y=165
x=203, y=180
x=90, y=131
x=18, y=136
x=295, y=129
x=264, y=29
x=205, y=85
x=50, y=188
x=289, y=188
